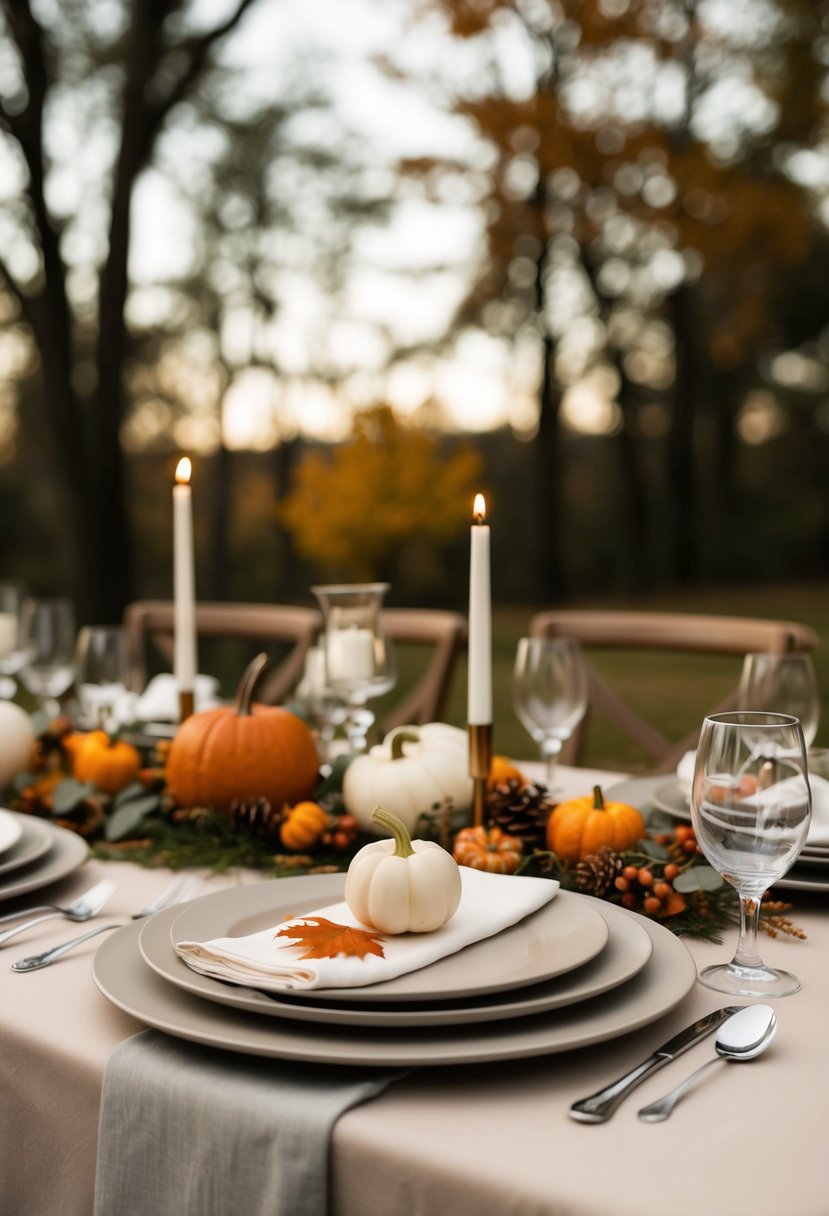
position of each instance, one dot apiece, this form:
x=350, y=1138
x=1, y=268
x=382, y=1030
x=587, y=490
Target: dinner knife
x=600, y=1106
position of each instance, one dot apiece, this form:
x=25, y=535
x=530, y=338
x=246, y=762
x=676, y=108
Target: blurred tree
x=638, y=207
x=366, y=510
x=108, y=106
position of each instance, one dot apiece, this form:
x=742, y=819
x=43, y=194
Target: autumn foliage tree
x=380, y=503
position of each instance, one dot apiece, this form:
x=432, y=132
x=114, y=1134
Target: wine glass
x=359, y=659
x=324, y=709
x=12, y=595
x=750, y=807
x=47, y=640
x=549, y=693
x=101, y=674
x=783, y=683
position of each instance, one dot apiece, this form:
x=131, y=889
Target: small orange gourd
x=242, y=752
x=491, y=850
x=110, y=764
x=502, y=770
x=579, y=826
x=303, y=826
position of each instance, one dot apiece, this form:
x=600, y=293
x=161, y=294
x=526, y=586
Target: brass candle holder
x=186, y=705
x=480, y=761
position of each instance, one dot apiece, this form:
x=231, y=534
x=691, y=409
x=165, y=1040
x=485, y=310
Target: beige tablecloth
x=475, y=1141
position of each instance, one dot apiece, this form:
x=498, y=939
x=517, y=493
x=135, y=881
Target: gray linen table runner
x=189, y=1131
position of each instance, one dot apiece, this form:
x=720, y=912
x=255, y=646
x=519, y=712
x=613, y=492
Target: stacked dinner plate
x=35, y=853
x=667, y=794
x=576, y=972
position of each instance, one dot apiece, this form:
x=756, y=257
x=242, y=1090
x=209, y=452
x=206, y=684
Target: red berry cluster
x=649, y=888
x=341, y=833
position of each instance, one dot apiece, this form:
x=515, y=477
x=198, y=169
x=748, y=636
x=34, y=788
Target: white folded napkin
x=489, y=904
x=159, y=700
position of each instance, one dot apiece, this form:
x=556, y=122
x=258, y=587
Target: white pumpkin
x=414, y=769
x=17, y=740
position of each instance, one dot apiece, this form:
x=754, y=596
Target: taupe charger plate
x=128, y=982
x=43, y=854
x=450, y=1000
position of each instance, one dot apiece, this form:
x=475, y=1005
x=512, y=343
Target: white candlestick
x=184, y=581
x=479, y=698
x=351, y=655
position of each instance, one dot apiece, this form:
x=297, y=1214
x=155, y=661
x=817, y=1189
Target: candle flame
x=183, y=471
x=479, y=509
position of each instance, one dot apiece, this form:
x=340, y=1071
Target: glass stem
x=746, y=954
x=550, y=749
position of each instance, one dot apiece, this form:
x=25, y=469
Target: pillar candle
x=184, y=596
x=479, y=699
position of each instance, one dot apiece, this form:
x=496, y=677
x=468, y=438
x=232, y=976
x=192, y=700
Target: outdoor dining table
x=483, y=1139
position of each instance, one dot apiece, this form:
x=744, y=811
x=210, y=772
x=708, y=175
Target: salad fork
x=83, y=908
x=179, y=893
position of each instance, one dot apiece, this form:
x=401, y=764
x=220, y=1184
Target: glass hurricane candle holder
x=359, y=659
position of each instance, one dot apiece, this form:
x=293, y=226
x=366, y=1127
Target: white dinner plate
x=628, y=950
x=9, y=830
x=35, y=839
x=66, y=851
x=124, y=978
x=557, y=938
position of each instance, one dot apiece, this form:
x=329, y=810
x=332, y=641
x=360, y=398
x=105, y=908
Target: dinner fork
x=178, y=893
x=83, y=908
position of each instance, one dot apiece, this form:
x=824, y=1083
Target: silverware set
x=743, y=1033
x=84, y=908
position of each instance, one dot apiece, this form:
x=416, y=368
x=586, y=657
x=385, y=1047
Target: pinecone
x=521, y=811
x=257, y=818
x=595, y=874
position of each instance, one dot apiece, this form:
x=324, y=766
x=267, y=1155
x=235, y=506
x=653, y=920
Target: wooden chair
x=148, y=624
x=667, y=632
x=444, y=633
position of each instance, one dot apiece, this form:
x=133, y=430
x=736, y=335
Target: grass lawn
x=674, y=691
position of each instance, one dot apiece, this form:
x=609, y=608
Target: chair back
x=150, y=623
x=667, y=632
x=445, y=634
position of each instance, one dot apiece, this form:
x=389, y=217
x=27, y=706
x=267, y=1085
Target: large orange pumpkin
x=242, y=752
x=580, y=826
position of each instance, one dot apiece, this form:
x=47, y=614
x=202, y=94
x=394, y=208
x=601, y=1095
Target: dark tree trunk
x=550, y=578
x=682, y=495
x=636, y=567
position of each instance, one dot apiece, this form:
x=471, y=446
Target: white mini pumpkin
x=414, y=769
x=17, y=740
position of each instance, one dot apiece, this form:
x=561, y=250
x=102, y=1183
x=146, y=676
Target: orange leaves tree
x=379, y=505
x=636, y=177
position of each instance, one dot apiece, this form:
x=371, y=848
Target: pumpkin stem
x=403, y=734
x=253, y=674
x=598, y=798
x=402, y=839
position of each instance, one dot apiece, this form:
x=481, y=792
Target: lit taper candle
x=479, y=699
x=184, y=589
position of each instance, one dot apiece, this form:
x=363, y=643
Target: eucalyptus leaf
x=22, y=780
x=70, y=793
x=652, y=849
x=134, y=790
x=659, y=822
x=698, y=878
x=122, y=823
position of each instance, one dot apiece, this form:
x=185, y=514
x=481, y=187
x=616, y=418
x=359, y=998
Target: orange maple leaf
x=326, y=939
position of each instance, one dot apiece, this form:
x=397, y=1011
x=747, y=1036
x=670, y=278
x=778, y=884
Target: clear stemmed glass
x=101, y=674
x=12, y=595
x=750, y=806
x=359, y=659
x=323, y=708
x=783, y=683
x=549, y=693
x=47, y=640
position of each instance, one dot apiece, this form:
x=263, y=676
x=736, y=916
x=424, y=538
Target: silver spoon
x=742, y=1037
